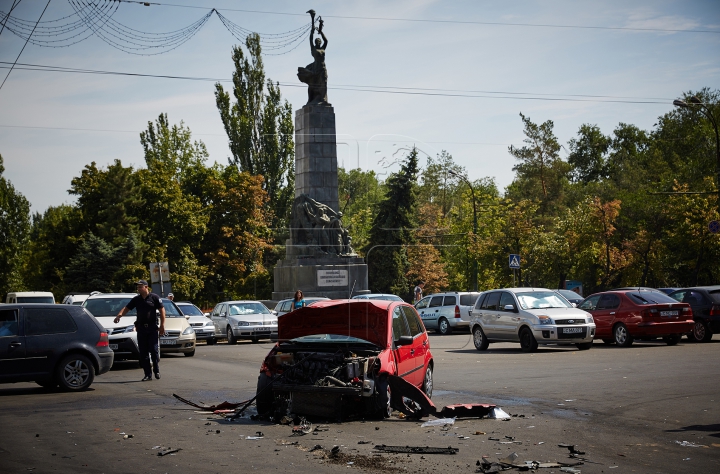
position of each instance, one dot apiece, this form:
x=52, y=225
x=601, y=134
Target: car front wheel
x=428, y=382
x=383, y=398
x=231, y=336
x=528, y=343
x=700, y=332
x=479, y=339
x=75, y=373
x=443, y=327
x=622, y=337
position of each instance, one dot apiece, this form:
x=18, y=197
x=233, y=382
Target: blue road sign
x=514, y=261
x=714, y=226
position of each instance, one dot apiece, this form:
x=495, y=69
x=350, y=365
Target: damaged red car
x=336, y=360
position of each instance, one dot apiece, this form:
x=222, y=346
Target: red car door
x=419, y=346
x=404, y=355
x=606, y=314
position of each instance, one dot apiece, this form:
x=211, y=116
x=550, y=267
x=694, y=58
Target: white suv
x=530, y=316
x=448, y=311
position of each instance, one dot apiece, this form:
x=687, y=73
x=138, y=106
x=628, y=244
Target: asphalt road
x=645, y=409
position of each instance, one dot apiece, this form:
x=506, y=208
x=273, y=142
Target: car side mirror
x=404, y=341
x=187, y=317
x=207, y=315
x=223, y=315
x=509, y=307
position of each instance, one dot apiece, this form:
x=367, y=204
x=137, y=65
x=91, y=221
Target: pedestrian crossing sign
x=514, y=261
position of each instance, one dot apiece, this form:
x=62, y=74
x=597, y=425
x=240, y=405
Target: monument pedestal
x=332, y=277
x=318, y=260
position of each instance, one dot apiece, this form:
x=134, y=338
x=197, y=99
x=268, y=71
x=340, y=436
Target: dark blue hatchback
x=52, y=345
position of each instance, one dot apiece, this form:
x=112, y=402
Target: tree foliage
x=259, y=127
x=14, y=233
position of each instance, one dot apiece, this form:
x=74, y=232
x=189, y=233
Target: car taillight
x=457, y=312
x=687, y=311
x=715, y=310
x=103, y=342
x=650, y=313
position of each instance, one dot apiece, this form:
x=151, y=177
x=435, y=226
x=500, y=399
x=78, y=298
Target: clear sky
x=470, y=68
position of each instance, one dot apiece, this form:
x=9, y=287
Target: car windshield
x=386, y=298
x=329, y=339
x=111, y=307
x=247, y=308
x=190, y=310
x=650, y=297
x=541, y=299
x=35, y=299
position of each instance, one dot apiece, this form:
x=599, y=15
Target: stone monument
x=319, y=259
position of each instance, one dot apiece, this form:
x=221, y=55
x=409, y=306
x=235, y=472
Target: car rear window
x=715, y=295
x=468, y=300
x=649, y=297
x=48, y=321
x=190, y=310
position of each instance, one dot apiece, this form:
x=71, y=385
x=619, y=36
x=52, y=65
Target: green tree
x=359, y=193
x=14, y=230
x=259, y=126
x=588, y=154
x=438, y=184
x=393, y=229
x=541, y=174
x=99, y=266
x=174, y=220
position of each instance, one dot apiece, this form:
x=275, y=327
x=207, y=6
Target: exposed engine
x=323, y=383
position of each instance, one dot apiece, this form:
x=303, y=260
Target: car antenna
x=352, y=289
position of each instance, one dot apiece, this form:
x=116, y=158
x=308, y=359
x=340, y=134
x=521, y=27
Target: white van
x=30, y=297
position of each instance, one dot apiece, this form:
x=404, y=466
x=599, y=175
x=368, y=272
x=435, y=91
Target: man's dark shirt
x=145, y=309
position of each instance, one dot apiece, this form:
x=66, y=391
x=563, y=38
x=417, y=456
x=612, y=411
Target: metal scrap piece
x=219, y=406
x=167, y=451
x=466, y=410
x=416, y=449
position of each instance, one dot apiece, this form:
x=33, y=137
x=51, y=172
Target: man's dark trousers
x=149, y=346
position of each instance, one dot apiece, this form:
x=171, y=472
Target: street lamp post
x=705, y=110
x=472, y=193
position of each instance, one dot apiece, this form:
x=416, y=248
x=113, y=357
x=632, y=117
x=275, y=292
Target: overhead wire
x=379, y=89
x=23, y=48
x=15, y=4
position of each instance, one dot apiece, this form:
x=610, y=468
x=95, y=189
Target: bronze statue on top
x=315, y=74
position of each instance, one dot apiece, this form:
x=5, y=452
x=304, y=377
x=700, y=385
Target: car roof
x=306, y=298
x=111, y=295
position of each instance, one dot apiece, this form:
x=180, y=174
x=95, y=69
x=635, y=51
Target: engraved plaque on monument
x=319, y=259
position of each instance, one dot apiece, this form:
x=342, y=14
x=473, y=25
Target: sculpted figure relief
x=315, y=74
x=317, y=226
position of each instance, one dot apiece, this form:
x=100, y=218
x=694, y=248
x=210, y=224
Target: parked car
x=625, y=315
x=530, y=316
x=179, y=335
x=337, y=357
x=446, y=312
x=77, y=299
x=571, y=296
x=378, y=296
x=17, y=297
x=201, y=322
x=283, y=306
x=52, y=345
x=705, y=304
x=667, y=291
x=235, y=320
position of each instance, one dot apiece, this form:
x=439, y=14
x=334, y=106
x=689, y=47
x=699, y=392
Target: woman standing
x=298, y=301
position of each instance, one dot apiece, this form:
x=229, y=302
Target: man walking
x=148, y=332
x=418, y=291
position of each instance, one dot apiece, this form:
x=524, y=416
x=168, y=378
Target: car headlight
x=129, y=329
x=243, y=323
x=545, y=320
x=209, y=323
x=188, y=330
x=590, y=319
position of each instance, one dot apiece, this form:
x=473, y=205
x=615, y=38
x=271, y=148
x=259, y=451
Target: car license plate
x=168, y=341
x=571, y=330
x=114, y=347
x=668, y=313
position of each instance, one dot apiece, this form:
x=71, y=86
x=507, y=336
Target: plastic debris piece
x=416, y=449
x=438, y=422
x=509, y=459
x=572, y=470
x=688, y=444
x=316, y=447
x=166, y=451
x=254, y=437
x=480, y=433
x=498, y=414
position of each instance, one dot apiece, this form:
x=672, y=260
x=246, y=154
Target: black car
x=571, y=296
x=52, y=345
x=705, y=303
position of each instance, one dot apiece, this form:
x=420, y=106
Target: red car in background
x=336, y=359
x=621, y=316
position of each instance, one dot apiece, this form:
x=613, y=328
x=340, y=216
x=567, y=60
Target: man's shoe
x=147, y=378
x=157, y=375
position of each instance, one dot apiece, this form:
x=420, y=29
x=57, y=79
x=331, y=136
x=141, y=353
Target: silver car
x=285, y=306
x=446, y=312
x=530, y=316
x=234, y=320
x=200, y=322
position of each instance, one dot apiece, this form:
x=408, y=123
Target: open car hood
x=364, y=319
